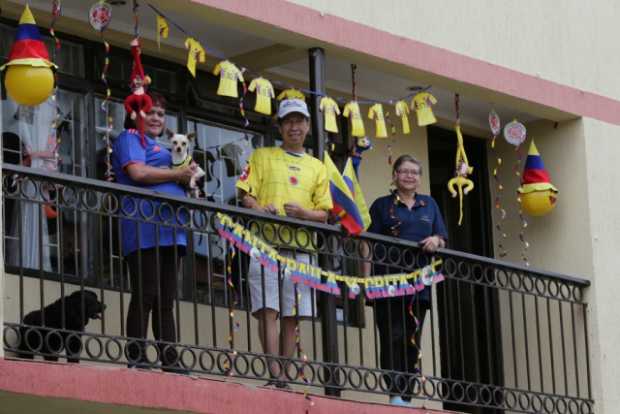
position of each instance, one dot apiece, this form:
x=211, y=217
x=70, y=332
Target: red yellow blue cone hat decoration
x=29, y=78
x=538, y=195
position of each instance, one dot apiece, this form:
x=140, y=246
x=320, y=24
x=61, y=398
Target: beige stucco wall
x=601, y=152
x=579, y=237
x=573, y=44
x=376, y=173
x=559, y=241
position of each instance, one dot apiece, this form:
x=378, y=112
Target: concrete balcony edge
x=120, y=386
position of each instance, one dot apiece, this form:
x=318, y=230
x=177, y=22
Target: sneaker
x=176, y=369
x=278, y=384
x=398, y=400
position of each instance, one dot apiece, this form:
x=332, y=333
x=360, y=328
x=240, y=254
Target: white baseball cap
x=288, y=106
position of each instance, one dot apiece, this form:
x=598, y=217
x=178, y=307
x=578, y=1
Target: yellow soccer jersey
x=402, y=110
x=330, y=110
x=291, y=94
x=376, y=112
x=229, y=76
x=421, y=103
x=352, y=110
x=276, y=177
x=264, y=95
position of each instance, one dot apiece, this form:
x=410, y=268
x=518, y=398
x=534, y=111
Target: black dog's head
x=83, y=303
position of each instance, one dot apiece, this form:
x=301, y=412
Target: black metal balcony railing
x=497, y=335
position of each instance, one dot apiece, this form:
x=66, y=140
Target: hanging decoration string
x=495, y=125
x=55, y=132
x=415, y=332
x=233, y=326
x=136, y=18
x=515, y=133
x=244, y=91
x=99, y=16
x=525, y=245
x=285, y=85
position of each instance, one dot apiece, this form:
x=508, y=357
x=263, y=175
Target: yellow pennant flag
x=356, y=190
x=196, y=53
x=162, y=29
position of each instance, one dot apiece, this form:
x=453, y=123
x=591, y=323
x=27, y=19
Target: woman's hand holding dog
x=184, y=174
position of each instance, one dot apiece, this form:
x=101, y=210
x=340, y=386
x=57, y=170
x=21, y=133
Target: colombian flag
x=28, y=48
x=356, y=190
x=344, y=203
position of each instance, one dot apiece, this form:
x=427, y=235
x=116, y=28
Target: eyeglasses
x=413, y=173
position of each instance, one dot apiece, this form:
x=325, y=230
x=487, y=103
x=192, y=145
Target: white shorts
x=271, y=300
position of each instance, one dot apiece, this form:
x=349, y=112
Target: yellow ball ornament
x=539, y=203
x=29, y=85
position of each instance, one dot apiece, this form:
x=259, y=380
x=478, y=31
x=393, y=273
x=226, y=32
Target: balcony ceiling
x=282, y=54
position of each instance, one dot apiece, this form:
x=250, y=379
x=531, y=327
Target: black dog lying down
x=34, y=339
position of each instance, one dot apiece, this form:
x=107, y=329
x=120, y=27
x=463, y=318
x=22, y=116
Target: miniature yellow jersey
x=229, y=76
x=402, y=110
x=421, y=103
x=376, y=112
x=291, y=94
x=264, y=95
x=330, y=110
x=352, y=110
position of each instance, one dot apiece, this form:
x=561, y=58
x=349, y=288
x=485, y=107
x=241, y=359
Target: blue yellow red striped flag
x=356, y=190
x=344, y=203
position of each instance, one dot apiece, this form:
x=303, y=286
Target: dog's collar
x=187, y=161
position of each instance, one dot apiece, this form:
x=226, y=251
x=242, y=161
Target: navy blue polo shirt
x=391, y=217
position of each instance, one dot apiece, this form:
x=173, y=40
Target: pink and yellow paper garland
x=383, y=286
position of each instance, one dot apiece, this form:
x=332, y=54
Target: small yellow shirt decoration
x=330, y=110
x=402, y=110
x=264, y=95
x=376, y=112
x=352, y=110
x=422, y=103
x=196, y=53
x=229, y=76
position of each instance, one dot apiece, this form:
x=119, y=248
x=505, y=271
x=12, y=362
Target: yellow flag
x=351, y=179
x=196, y=53
x=162, y=29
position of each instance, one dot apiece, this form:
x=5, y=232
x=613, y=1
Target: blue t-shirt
x=391, y=217
x=128, y=150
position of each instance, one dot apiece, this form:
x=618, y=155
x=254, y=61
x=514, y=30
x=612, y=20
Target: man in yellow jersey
x=288, y=182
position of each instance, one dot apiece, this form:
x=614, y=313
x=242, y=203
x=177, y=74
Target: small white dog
x=182, y=157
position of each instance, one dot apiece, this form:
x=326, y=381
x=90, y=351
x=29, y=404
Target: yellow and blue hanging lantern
x=29, y=79
x=538, y=195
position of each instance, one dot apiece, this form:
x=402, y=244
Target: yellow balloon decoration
x=537, y=195
x=539, y=203
x=29, y=85
x=29, y=78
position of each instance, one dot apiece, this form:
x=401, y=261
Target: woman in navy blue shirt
x=152, y=251
x=415, y=217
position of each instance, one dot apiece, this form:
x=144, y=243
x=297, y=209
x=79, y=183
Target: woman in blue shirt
x=415, y=217
x=151, y=250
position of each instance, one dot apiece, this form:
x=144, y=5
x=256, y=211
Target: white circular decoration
x=100, y=15
x=515, y=133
